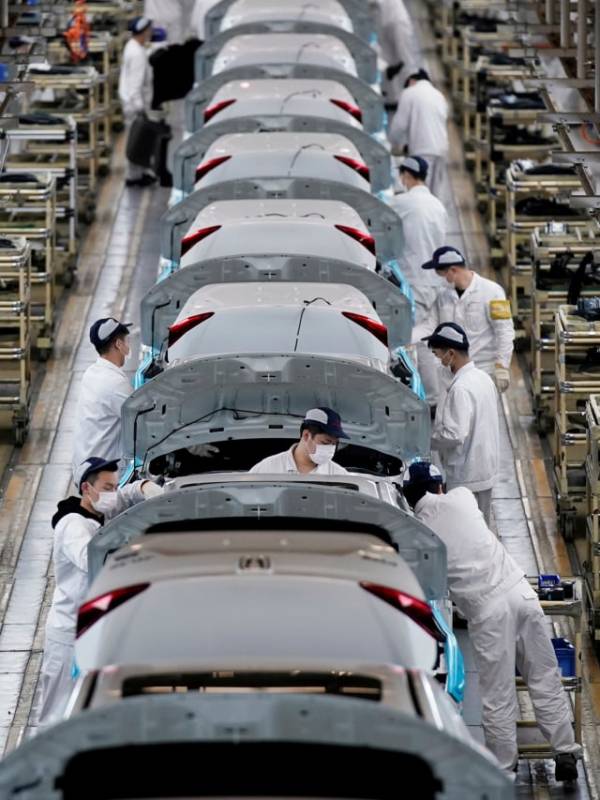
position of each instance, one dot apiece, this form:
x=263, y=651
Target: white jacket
x=284, y=462
x=74, y=528
x=135, y=79
x=466, y=430
x=167, y=14
x=395, y=33
x=421, y=121
x=104, y=389
x=199, y=12
x=479, y=568
x=424, y=226
x=484, y=313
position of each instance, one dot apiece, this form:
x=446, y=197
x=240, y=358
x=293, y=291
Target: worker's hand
x=204, y=450
x=151, y=489
x=501, y=378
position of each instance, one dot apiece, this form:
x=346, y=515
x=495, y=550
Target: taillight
x=349, y=107
x=360, y=236
x=193, y=238
x=378, y=329
x=418, y=610
x=357, y=166
x=177, y=330
x=92, y=611
x=207, y=166
x=210, y=111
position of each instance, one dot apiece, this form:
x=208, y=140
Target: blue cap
x=416, y=165
x=139, y=24
x=105, y=329
x=444, y=258
x=92, y=465
x=422, y=472
x=448, y=334
x=327, y=420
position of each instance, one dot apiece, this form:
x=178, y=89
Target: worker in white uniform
x=466, y=429
x=480, y=307
x=75, y=523
x=396, y=45
x=199, y=12
x=320, y=433
x=420, y=126
x=424, y=227
x=104, y=389
x=507, y=626
x=167, y=14
x=136, y=89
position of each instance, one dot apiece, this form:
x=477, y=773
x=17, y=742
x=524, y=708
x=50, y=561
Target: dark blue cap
x=103, y=330
x=328, y=420
x=92, y=465
x=139, y=24
x=448, y=334
x=416, y=165
x=444, y=258
x=422, y=472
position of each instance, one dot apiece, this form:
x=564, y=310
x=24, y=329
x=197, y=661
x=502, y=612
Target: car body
x=258, y=155
x=328, y=12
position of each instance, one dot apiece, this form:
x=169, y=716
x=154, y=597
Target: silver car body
x=328, y=12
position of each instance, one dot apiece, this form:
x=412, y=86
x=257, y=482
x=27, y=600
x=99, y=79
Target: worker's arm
x=399, y=128
x=75, y=539
x=428, y=324
x=137, y=73
x=453, y=428
x=134, y=493
x=500, y=317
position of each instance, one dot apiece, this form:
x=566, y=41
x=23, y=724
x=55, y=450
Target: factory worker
x=104, y=389
x=320, y=433
x=75, y=523
x=420, y=126
x=167, y=14
x=198, y=20
x=396, y=44
x=466, y=429
x=507, y=626
x=424, y=227
x=480, y=307
x=135, y=88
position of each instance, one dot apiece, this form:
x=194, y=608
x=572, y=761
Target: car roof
x=327, y=211
x=239, y=143
x=327, y=11
x=276, y=88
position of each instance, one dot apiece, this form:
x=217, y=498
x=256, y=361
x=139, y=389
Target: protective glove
x=151, y=489
x=393, y=70
x=204, y=450
x=501, y=378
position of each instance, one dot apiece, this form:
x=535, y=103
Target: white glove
x=501, y=378
x=151, y=489
x=204, y=450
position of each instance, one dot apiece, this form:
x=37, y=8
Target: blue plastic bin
x=565, y=655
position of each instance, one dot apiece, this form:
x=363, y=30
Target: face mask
x=323, y=453
x=106, y=502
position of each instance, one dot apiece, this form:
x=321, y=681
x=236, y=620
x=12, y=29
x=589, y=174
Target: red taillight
x=378, y=329
x=418, y=610
x=193, y=238
x=349, y=107
x=177, y=330
x=360, y=236
x=210, y=111
x=91, y=612
x=207, y=166
x=357, y=166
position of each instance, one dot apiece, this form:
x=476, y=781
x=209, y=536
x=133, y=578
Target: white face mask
x=323, y=453
x=106, y=502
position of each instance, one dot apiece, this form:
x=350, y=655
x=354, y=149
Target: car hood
x=381, y=220
x=191, y=151
x=369, y=101
x=253, y=396
x=188, y=728
x=164, y=301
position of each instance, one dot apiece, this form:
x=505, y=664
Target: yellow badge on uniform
x=500, y=309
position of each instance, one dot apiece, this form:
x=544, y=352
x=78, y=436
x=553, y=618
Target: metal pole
x=565, y=23
x=597, y=56
x=581, y=37
x=550, y=12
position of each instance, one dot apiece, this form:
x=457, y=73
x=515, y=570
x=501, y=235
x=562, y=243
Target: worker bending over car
x=507, y=626
x=466, y=429
x=320, y=433
x=75, y=523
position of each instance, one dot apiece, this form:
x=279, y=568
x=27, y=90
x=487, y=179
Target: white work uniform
x=135, y=90
x=396, y=42
x=104, y=389
x=484, y=314
x=199, y=12
x=284, y=462
x=466, y=433
x=74, y=528
x=167, y=14
x=506, y=626
x=424, y=226
x=421, y=124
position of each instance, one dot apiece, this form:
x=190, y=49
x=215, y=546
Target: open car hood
x=254, y=396
x=175, y=746
x=190, y=152
x=360, y=12
x=422, y=550
x=363, y=54
x=381, y=220
x=369, y=101
x=164, y=301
